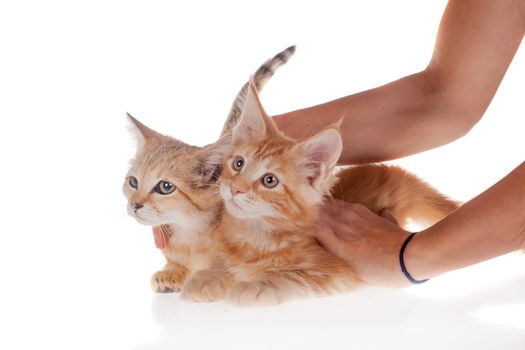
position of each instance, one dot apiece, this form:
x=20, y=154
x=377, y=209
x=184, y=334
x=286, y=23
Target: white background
x=75, y=269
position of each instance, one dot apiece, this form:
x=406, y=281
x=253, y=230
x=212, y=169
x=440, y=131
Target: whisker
x=118, y=214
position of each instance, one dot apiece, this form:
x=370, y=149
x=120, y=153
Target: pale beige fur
x=190, y=213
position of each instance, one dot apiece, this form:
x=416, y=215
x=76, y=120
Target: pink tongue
x=162, y=236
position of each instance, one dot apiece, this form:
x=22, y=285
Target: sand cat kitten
x=273, y=188
x=173, y=187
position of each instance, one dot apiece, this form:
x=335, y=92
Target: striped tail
x=260, y=77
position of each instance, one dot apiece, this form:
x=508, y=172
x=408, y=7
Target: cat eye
x=165, y=187
x=269, y=180
x=133, y=182
x=238, y=163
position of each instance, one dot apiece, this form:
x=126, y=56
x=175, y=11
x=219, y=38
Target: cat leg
x=208, y=286
x=274, y=288
x=170, y=279
x=281, y=286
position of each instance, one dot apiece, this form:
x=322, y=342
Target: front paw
x=251, y=294
x=205, y=287
x=168, y=281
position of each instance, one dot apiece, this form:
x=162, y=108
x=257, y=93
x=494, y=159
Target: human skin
x=490, y=225
x=476, y=42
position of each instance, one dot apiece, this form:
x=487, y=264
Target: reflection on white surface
x=368, y=319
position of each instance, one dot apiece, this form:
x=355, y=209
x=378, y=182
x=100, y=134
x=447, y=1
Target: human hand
x=370, y=243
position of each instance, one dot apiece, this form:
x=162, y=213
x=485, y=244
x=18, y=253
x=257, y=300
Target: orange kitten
x=273, y=188
x=173, y=187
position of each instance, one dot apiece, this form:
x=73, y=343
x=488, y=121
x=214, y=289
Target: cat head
x=170, y=182
x=272, y=178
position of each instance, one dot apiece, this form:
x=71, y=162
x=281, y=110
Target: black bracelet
x=402, y=260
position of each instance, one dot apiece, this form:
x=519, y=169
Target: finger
x=312, y=232
x=389, y=215
x=347, y=224
x=339, y=206
x=329, y=240
x=332, y=206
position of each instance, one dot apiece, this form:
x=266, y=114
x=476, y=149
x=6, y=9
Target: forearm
x=490, y=225
x=476, y=42
x=395, y=120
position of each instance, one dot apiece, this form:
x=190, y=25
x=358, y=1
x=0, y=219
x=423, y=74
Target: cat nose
x=235, y=190
x=138, y=205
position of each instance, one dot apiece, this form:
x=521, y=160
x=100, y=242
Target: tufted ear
x=319, y=154
x=144, y=134
x=254, y=122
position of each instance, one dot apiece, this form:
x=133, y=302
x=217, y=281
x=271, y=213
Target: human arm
x=476, y=42
x=489, y=225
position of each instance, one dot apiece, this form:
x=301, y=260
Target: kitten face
x=170, y=182
x=256, y=184
x=259, y=180
x=154, y=188
x=271, y=177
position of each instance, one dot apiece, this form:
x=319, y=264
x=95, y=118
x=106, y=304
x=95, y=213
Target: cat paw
x=204, y=288
x=249, y=294
x=167, y=281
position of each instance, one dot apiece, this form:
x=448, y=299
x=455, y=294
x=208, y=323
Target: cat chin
x=142, y=220
x=236, y=210
x=145, y=222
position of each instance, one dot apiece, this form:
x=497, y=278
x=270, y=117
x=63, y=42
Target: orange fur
x=265, y=256
x=170, y=279
x=190, y=214
x=255, y=253
x=382, y=186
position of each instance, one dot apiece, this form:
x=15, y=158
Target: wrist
x=402, y=261
x=420, y=257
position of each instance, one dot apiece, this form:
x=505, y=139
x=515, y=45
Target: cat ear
x=319, y=154
x=207, y=166
x=143, y=133
x=254, y=123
